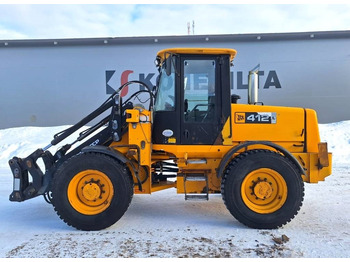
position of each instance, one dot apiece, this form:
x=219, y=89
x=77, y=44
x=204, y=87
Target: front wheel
x=91, y=191
x=262, y=189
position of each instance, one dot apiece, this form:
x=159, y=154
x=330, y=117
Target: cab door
x=204, y=109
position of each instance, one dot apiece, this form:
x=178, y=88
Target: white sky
x=37, y=21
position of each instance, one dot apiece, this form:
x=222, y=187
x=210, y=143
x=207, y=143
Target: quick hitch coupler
x=23, y=187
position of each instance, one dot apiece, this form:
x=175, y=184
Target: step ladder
x=196, y=175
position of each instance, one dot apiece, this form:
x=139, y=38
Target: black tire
x=91, y=191
x=262, y=189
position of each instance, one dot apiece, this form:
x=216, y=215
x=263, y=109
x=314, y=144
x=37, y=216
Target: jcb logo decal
x=240, y=118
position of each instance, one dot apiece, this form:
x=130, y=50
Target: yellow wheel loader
x=193, y=135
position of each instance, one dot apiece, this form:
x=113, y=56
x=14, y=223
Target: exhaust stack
x=253, y=85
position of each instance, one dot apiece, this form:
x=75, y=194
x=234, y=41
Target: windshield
x=165, y=97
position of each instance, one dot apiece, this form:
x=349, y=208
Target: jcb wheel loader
x=194, y=136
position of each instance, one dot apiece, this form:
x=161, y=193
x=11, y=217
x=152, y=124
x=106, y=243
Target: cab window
x=165, y=97
x=199, y=90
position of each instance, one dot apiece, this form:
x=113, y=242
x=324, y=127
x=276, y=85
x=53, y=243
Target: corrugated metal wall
x=56, y=82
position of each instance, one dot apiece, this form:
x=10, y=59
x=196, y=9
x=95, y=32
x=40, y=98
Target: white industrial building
x=58, y=81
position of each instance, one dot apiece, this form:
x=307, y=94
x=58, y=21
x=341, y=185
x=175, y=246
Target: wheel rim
x=264, y=191
x=90, y=192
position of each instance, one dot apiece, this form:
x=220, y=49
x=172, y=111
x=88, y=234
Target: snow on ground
x=164, y=225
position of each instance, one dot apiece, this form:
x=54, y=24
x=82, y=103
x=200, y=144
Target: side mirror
x=157, y=62
x=168, y=65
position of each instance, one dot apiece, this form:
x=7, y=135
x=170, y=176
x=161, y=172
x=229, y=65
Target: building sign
x=239, y=80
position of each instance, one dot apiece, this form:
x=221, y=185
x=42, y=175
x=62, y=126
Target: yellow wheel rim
x=264, y=191
x=90, y=192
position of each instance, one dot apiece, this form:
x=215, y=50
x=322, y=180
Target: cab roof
x=196, y=51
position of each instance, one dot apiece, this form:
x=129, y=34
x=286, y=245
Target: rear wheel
x=262, y=189
x=91, y=191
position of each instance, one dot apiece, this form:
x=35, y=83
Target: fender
x=234, y=150
x=115, y=154
x=106, y=150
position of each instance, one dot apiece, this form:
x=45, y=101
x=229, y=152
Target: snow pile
x=22, y=141
x=337, y=135
x=164, y=225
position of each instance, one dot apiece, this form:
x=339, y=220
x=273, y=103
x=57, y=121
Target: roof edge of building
x=249, y=37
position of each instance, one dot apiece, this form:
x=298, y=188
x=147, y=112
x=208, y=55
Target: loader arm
x=30, y=181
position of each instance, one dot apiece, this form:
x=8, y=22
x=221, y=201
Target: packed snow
x=164, y=225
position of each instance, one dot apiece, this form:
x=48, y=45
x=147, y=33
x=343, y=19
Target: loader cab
x=193, y=96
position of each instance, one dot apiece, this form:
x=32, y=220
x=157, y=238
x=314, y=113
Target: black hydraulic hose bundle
x=102, y=108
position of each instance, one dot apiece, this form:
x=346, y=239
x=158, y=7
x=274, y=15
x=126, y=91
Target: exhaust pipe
x=253, y=85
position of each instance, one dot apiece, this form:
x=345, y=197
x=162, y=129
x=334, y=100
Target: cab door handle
x=186, y=133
